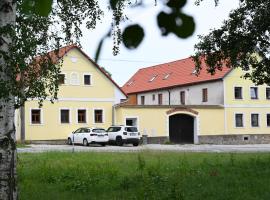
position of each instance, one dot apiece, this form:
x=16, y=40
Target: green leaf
x=39, y=7
x=133, y=36
x=176, y=4
x=180, y=24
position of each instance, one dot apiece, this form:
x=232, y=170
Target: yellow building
x=167, y=102
x=172, y=102
x=86, y=98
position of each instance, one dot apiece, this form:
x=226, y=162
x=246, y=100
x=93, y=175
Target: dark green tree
x=242, y=41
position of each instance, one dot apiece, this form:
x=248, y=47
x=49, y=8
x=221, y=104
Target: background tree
x=29, y=29
x=242, y=41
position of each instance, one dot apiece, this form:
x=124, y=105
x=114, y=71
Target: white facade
x=193, y=95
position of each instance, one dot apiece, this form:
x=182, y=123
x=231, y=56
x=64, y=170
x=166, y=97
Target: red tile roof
x=168, y=75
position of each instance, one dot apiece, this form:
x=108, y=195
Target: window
x=153, y=97
x=267, y=92
x=167, y=76
x=268, y=120
x=74, y=78
x=114, y=129
x=204, y=95
x=254, y=92
x=239, y=120
x=238, y=93
x=159, y=99
x=153, y=78
x=64, y=115
x=142, y=100
x=81, y=116
x=182, y=97
x=35, y=116
x=254, y=120
x=87, y=79
x=98, y=116
x=61, y=79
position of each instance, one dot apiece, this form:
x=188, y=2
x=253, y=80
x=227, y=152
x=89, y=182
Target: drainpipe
x=169, y=97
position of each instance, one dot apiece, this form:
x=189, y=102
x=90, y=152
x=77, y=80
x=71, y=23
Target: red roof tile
x=169, y=75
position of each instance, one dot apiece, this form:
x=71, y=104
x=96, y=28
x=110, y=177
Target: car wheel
x=135, y=144
x=103, y=144
x=69, y=141
x=119, y=141
x=85, y=142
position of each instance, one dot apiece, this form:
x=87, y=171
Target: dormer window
x=153, y=78
x=130, y=83
x=167, y=76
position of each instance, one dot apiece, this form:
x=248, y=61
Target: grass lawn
x=146, y=175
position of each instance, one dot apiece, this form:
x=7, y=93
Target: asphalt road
x=35, y=148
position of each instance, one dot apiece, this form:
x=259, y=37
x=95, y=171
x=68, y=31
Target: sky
x=154, y=49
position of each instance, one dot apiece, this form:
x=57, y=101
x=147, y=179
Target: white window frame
x=77, y=81
x=242, y=94
x=70, y=119
x=266, y=93
x=266, y=120
x=259, y=122
x=242, y=119
x=86, y=113
x=91, y=79
x=132, y=117
x=65, y=80
x=73, y=59
x=152, y=78
x=257, y=92
x=103, y=115
x=41, y=117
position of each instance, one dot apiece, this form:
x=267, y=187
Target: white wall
x=193, y=94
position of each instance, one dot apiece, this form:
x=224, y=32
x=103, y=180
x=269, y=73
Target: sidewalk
x=34, y=148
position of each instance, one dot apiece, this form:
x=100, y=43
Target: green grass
x=22, y=145
x=146, y=175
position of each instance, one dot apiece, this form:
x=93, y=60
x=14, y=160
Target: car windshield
x=114, y=129
x=78, y=130
x=98, y=130
x=131, y=129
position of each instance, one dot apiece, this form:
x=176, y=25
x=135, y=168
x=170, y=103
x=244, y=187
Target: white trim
x=103, y=115
x=225, y=110
x=259, y=122
x=133, y=117
x=65, y=79
x=76, y=82
x=70, y=119
x=266, y=120
x=247, y=106
x=242, y=92
x=41, y=117
x=91, y=80
x=79, y=99
x=243, y=120
x=266, y=93
x=257, y=92
x=86, y=115
x=196, y=125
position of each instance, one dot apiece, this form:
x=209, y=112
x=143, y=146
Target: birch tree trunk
x=8, y=176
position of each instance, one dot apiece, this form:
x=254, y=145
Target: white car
x=124, y=134
x=88, y=135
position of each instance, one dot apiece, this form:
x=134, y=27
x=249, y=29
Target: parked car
x=88, y=135
x=124, y=135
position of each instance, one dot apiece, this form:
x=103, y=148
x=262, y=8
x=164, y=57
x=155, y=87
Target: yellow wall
x=101, y=86
x=99, y=95
x=210, y=121
x=233, y=80
x=246, y=106
x=52, y=129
